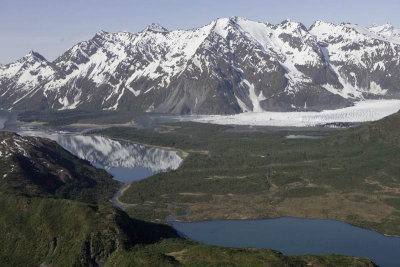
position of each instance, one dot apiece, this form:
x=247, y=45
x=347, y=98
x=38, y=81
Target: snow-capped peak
x=35, y=56
x=156, y=27
x=387, y=31
x=101, y=33
x=221, y=26
x=291, y=25
x=320, y=23
x=287, y=21
x=250, y=28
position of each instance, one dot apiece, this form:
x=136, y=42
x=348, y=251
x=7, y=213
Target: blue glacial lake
x=294, y=236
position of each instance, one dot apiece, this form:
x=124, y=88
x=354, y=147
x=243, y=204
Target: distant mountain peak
x=387, y=31
x=289, y=21
x=236, y=19
x=101, y=34
x=387, y=27
x=34, y=55
x=291, y=25
x=319, y=23
x=156, y=27
x=383, y=26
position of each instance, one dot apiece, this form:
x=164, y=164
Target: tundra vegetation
x=56, y=211
x=351, y=175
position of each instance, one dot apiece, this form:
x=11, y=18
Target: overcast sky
x=52, y=26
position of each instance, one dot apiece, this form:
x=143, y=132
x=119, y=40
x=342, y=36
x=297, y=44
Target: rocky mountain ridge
x=229, y=66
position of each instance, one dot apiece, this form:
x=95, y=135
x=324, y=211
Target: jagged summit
x=101, y=33
x=34, y=55
x=230, y=65
x=156, y=27
x=231, y=20
x=319, y=23
x=288, y=23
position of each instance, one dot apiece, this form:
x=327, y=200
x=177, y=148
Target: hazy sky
x=52, y=26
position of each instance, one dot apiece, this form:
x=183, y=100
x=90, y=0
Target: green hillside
x=67, y=233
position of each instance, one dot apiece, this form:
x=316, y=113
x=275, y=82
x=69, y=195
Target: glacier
x=362, y=111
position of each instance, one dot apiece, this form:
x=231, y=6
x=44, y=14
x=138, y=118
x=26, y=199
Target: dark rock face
x=230, y=66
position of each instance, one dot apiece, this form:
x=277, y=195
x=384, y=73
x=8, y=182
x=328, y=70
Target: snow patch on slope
x=254, y=98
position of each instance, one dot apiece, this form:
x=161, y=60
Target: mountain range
x=229, y=66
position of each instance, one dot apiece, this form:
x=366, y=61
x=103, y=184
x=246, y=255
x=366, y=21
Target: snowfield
x=363, y=111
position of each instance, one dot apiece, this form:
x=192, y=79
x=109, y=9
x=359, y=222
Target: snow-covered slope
x=362, y=111
x=387, y=31
x=365, y=61
x=231, y=65
x=21, y=79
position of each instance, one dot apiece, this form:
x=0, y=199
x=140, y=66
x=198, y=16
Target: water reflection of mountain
x=4, y=116
x=2, y=121
x=110, y=153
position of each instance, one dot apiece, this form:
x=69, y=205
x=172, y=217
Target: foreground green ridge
x=352, y=175
x=51, y=217
x=66, y=233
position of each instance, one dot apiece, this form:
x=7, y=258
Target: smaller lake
x=294, y=236
x=294, y=136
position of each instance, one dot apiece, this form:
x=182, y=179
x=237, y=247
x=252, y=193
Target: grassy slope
x=66, y=232
x=38, y=225
x=352, y=175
